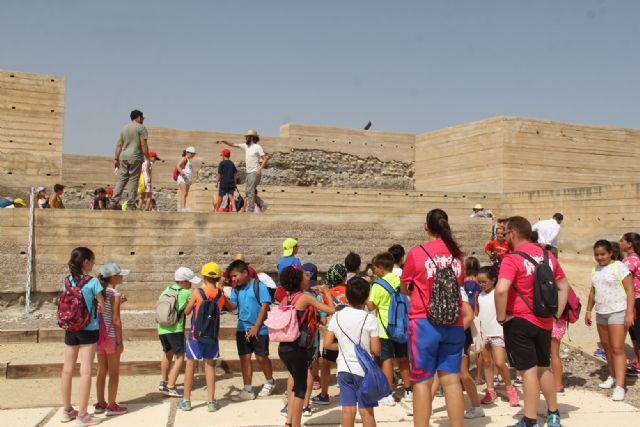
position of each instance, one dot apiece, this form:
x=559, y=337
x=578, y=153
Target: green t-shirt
x=183, y=300
x=382, y=299
x=131, y=135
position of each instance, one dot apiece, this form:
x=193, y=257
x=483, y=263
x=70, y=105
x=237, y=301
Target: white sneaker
x=618, y=394
x=387, y=401
x=608, y=383
x=267, y=389
x=408, y=396
x=243, y=396
x=474, y=412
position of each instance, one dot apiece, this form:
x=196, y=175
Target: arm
x=116, y=159
x=192, y=301
x=145, y=148
x=476, y=309
x=100, y=302
x=180, y=165
x=371, y=306
x=467, y=315
x=330, y=341
x=590, y=304
x=263, y=161
x=311, y=300
x=375, y=345
x=117, y=321
x=631, y=300
x=227, y=143
x=261, y=316
x=563, y=295
x=501, y=294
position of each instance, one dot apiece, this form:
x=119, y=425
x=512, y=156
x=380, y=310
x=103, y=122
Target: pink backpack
x=574, y=306
x=282, y=321
x=73, y=315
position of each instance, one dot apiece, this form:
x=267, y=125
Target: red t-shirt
x=501, y=249
x=419, y=270
x=520, y=272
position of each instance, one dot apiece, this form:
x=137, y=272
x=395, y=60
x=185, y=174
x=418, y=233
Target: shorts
x=182, y=180
x=226, y=190
x=108, y=347
x=434, y=348
x=390, y=349
x=559, y=329
x=494, y=342
x=527, y=345
x=468, y=340
x=173, y=342
x=258, y=345
x=330, y=355
x=199, y=351
x=81, y=337
x=298, y=361
x=616, y=318
x=349, y=386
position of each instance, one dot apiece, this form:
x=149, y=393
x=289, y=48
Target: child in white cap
x=185, y=172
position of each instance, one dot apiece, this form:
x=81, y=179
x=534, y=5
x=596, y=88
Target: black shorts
x=390, y=349
x=298, y=361
x=226, y=190
x=467, y=341
x=330, y=355
x=258, y=345
x=173, y=342
x=527, y=345
x=81, y=337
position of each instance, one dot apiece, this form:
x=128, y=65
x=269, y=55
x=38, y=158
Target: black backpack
x=206, y=327
x=444, y=305
x=545, y=289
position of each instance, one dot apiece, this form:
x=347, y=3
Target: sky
x=408, y=66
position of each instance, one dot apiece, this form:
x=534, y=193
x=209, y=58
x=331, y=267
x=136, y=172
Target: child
x=612, y=294
x=352, y=262
x=391, y=352
x=475, y=411
x=185, y=173
x=397, y=251
x=172, y=336
x=472, y=290
x=630, y=245
x=100, y=200
x=199, y=348
x=110, y=344
x=354, y=325
x=43, y=199
x=55, y=200
x=226, y=182
x=252, y=299
x=494, y=351
x=145, y=185
x=82, y=343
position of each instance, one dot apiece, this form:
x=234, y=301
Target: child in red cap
x=226, y=183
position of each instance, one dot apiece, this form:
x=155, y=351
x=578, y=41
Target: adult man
x=528, y=336
x=480, y=212
x=548, y=231
x=255, y=161
x=131, y=151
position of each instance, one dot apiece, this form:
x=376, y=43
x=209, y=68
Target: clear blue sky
x=408, y=66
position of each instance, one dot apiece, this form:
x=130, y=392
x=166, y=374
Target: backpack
x=239, y=201
x=206, y=326
x=398, y=318
x=545, y=289
x=73, y=314
x=282, y=321
x=444, y=304
x=167, y=307
x=340, y=300
x=374, y=385
x=175, y=173
x=572, y=311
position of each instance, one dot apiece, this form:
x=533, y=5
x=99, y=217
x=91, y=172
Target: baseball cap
x=312, y=270
x=336, y=274
x=109, y=191
x=225, y=153
x=288, y=245
x=211, y=270
x=191, y=150
x=19, y=202
x=154, y=154
x=111, y=269
x=185, y=274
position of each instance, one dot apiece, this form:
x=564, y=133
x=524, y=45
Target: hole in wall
x=420, y=194
x=13, y=108
x=10, y=173
x=355, y=192
x=446, y=195
x=53, y=80
x=623, y=218
x=263, y=190
x=225, y=253
x=316, y=139
x=598, y=219
x=52, y=111
x=23, y=253
x=473, y=253
x=180, y=253
x=206, y=188
x=337, y=192
x=379, y=194
x=11, y=140
x=132, y=253
x=464, y=196
x=269, y=253
x=48, y=174
x=406, y=194
x=11, y=75
x=537, y=132
x=312, y=191
x=282, y=190
x=51, y=143
x=349, y=142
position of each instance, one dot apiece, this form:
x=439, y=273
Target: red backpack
x=574, y=306
x=73, y=314
x=175, y=173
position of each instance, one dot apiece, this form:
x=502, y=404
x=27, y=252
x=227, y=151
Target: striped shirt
x=110, y=294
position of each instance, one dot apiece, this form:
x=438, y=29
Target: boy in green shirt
x=172, y=336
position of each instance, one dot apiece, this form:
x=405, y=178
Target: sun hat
x=478, y=207
x=251, y=132
x=111, y=269
x=211, y=270
x=184, y=274
x=312, y=270
x=288, y=245
x=336, y=274
x=225, y=153
x=154, y=154
x=19, y=202
x=191, y=150
x=40, y=189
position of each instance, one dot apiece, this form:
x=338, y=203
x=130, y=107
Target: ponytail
x=634, y=240
x=184, y=153
x=76, y=260
x=438, y=225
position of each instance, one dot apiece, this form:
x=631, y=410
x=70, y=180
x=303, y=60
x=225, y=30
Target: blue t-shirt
x=288, y=261
x=248, y=306
x=227, y=170
x=89, y=292
x=472, y=288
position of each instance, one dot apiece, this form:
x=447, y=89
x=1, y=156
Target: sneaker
x=87, y=420
x=409, y=410
x=162, y=385
x=601, y=354
x=171, y=392
x=316, y=384
x=321, y=399
x=497, y=380
x=553, y=419
x=479, y=381
x=561, y=391
x=618, y=394
x=523, y=423
x=489, y=397
x=99, y=408
x=474, y=412
x=267, y=389
x=608, y=383
x=633, y=369
x=115, y=409
x=68, y=415
x=512, y=395
x=285, y=411
x=213, y=406
x=306, y=411
x=517, y=382
x=408, y=396
x=244, y=395
x=184, y=405
x=387, y=401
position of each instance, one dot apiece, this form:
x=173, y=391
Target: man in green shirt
x=131, y=151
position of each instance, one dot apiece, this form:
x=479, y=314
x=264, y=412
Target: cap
x=251, y=132
x=191, y=150
x=184, y=274
x=336, y=274
x=40, y=189
x=225, y=153
x=111, y=269
x=478, y=207
x=288, y=245
x=109, y=191
x=211, y=270
x=19, y=202
x=154, y=154
x=312, y=271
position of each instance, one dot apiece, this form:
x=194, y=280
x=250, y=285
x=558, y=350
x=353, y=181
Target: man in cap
x=289, y=251
x=131, y=151
x=479, y=212
x=255, y=161
x=226, y=181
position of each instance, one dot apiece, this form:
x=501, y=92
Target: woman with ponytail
x=630, y=245
x=434, y=347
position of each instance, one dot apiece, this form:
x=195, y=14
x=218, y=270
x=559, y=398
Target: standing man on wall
x=255, y=161
x=131, y=151
x=548, y=231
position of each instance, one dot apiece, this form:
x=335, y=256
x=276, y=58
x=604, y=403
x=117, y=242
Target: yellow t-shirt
x=382, y=300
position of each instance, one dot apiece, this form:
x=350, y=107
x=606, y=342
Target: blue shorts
x=349, y=385
x=198, y=351
x=434, y=348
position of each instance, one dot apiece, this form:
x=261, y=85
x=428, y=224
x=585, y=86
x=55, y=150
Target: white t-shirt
x=252, y=156
x=487, y=314
x=610, y=296
x=351, y=321
x=267, y=280
x=397, y=271
x=548, y=231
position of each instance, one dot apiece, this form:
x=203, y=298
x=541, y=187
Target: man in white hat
x=479, y=212
x=255, y=161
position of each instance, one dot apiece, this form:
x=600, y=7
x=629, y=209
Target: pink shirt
x=520, y=272
x=419, y=270
x=632, y=261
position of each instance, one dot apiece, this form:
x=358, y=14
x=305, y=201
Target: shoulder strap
x=529, y=258
x=616, y=269
x=425, y=251
x=203, y=296
x=256, y=290
x=217, y=297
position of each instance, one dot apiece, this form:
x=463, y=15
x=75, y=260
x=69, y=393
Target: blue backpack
x=206, y=326
x=398, y=320
x=374, y=384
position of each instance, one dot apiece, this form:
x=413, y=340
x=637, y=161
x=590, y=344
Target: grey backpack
x=444, y=305
x=167, y=308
